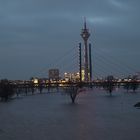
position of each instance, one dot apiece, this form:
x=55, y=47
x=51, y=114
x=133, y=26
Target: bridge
x=92, y=63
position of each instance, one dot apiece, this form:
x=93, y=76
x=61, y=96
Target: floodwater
x=94, y=116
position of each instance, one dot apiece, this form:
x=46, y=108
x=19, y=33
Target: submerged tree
x=132, y=84
x=73, y=93
x=127, y=86
x=109, y=84
x=6, y=89
x=40, y=85
x=72, y=90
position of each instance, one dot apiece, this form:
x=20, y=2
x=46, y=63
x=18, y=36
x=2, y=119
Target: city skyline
x=36, y=33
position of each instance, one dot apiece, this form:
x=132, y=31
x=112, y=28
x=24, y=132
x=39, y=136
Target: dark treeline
x=110, y=84
x=9, y=89
x=6, y=89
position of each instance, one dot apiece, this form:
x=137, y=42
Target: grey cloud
x=38, y=29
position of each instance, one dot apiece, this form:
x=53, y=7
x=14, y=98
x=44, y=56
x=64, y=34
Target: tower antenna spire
x=85, y=24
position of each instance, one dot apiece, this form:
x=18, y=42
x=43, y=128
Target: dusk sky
x=36, y=35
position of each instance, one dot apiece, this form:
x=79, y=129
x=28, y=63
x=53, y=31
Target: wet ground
x=94, y=116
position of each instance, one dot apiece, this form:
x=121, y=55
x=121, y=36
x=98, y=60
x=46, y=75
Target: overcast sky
x=36, y=35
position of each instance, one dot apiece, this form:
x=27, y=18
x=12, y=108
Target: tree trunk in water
x=73, y=96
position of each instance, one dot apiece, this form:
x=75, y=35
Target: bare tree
x=6, y=89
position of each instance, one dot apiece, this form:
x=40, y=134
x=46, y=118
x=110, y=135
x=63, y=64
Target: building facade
x=54, y=74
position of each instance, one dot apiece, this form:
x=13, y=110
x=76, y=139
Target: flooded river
x=94, y=116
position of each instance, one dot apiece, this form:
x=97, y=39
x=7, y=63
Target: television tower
x=85, y=35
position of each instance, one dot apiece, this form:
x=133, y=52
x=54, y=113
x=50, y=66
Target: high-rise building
x=54, y=74
x=73, y=77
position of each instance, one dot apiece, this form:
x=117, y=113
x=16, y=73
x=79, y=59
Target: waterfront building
x=73, y=77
